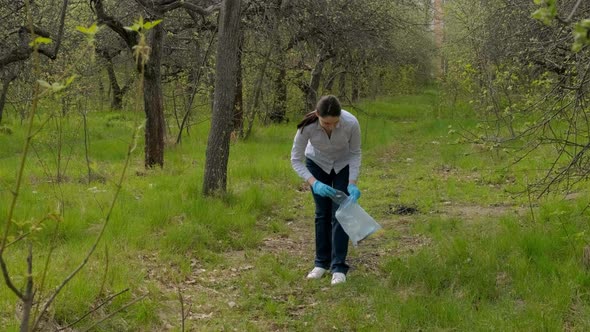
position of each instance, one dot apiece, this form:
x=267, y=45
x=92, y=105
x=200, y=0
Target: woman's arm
x=355, y=153
x=298, y=156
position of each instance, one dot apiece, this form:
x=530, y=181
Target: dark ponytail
x=326, y=106
x=309, y=118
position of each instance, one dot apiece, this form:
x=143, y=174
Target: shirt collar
x=318, y=127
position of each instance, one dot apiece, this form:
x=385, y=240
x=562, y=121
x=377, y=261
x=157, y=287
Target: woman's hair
x=326, y=106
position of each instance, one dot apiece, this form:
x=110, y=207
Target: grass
x=473, y=258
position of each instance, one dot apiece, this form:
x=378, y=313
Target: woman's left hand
x=354, y=192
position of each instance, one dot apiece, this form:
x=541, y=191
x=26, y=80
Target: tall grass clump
x=515, y=271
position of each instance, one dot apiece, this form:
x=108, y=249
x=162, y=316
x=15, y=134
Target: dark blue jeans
x=331, y=242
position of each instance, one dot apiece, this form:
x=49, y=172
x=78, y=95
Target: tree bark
x=280, y=84
x=153, y=103
x=342, y=85
x=238, y=123
x=117, y=101
x=226, y=69
x=355, y=85
x=314, y=84
x=438, y=27
x=4, y=92
x=280, y=105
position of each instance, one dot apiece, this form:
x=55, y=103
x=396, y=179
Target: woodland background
x=145, y=177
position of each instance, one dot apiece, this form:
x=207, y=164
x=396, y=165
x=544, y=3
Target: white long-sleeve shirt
x=342, y=148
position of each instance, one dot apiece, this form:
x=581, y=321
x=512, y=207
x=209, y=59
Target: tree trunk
x=226, y=69
x=153, y=103
x=238, y=123
x=438, y=27
x=279, y=107
x=280, y=104
x=342, y=85
x=355, y=87
x=117, y=101
x=314, y=84
x=3, y=94
x=254, y=105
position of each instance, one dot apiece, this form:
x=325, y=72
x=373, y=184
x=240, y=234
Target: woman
x=327, y=154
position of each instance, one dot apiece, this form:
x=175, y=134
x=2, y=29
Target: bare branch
x=23, y=51
x=107, y=300
x=573, y=12
x=28, y=296
x=7, y=278
x=116, y=312
x=130, y=37
x=203, y=11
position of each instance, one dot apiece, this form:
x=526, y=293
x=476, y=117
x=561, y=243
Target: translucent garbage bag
x=357, y=223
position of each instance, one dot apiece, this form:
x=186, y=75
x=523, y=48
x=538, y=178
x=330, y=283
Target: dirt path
x=215, y=296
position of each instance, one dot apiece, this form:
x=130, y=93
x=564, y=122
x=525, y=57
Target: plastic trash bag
x=357, y=223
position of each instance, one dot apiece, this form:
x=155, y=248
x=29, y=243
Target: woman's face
x=328, y=122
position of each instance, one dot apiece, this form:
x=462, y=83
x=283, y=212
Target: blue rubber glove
x=354, y=192
x=322, y=189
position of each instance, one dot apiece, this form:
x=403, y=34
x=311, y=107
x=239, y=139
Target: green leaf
x=543, y=15
x=90, y=31
x=135, y=27
x=40, y=40
x=71, y=79
x=151, y=24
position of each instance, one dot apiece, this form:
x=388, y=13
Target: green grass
x=472, y=259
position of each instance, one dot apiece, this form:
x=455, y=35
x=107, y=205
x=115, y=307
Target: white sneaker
x=316, y=273
x=338, y=278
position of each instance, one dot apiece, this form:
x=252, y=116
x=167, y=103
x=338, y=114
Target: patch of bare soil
x=476, y=212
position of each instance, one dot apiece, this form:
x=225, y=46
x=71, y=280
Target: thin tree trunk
x=438, y=25
x=29, y=295
x=239, y=99
x=117, y=101
x=153, y=102
x=355, y=93
x=193, y=84
x=280, y=103
x=342, y=85
x=314, y=84
x=3, y=94
x=226, y=69
x=258, y=91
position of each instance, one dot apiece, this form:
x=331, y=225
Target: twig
x=41, y=287
x=107, y=300
x=8, y=280
x=528, y=190
x=28, y=296
x=116, y=312
x=182, y=315
x=106, y=269
x=571, y=15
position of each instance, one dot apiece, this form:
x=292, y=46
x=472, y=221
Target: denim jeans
x=331, y=242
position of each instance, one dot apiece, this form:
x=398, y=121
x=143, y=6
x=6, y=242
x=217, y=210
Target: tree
x=526, y=69
x=17, y=49
x=226, y=69
x=153, y=99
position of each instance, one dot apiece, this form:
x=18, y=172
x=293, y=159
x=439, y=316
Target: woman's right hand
x=322, y=189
